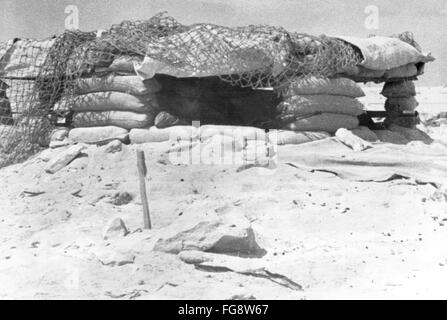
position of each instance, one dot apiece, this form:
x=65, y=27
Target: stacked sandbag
x=203, y=133
x=112, y=100
x=400, y=105
x=386, y=59
x=122, y=65
x=154, y=134
x=320, y=104
x=405, y=72
x=21, y=61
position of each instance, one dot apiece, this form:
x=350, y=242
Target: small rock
x=63, y=159
x=120, y=198
x=115, y=228
x=192, y=257
x=35, y=244
x=211, y=235
x=114, y=146
x=242, y=296
x=117, y=259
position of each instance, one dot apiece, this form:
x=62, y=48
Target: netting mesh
x=34, y=75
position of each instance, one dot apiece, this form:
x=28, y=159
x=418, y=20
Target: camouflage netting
x=36, y=74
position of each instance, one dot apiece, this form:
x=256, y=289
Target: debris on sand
x=213, y=235
x=117, y=259
x=114, y=229
x=113, y=146
x=120, y=198
x=64, y=158
x=221, y=263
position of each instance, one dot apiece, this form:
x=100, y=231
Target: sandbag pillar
x=401, y=104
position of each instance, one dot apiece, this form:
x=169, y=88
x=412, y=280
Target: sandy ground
x=336, y=238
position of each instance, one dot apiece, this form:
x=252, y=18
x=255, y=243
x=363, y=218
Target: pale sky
x=426, y=19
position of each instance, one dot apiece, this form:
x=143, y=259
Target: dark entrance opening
x=211, y=100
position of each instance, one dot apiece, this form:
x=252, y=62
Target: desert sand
x=335, y=238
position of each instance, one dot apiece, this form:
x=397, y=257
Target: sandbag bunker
x=194, y=82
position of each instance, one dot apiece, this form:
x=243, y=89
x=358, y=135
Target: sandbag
x=400, y=89
x=22, y=95
x=220, y=149
x=165, y=119
x=123, y=119
x=99, y=135
x=121, y=65
x=359, y=72
x=127, y=84
x=396, y=105
x=297, y=105
x=406, y=71
x=329, y=122
x=315, y=86
x=282, y=137
x=391, y=137
x=408, y=37
x=384, y=53
x=237, y=132
x=24, y=58
x=365, y=133
x=153, y=134
x=85, y=58
x=412, y=134
x=407, y=121
x=108, y=101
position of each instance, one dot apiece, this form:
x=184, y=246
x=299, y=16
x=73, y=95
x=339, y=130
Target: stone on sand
x=114, y=146
x=211, y=235
x=114, y=229
x=120, y=198
x=117, y=259
x=63, y=159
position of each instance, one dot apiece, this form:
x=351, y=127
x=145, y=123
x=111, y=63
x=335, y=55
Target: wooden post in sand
x=142, y=173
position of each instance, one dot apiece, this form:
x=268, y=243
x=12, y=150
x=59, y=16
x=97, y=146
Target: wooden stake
x=142, y=173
